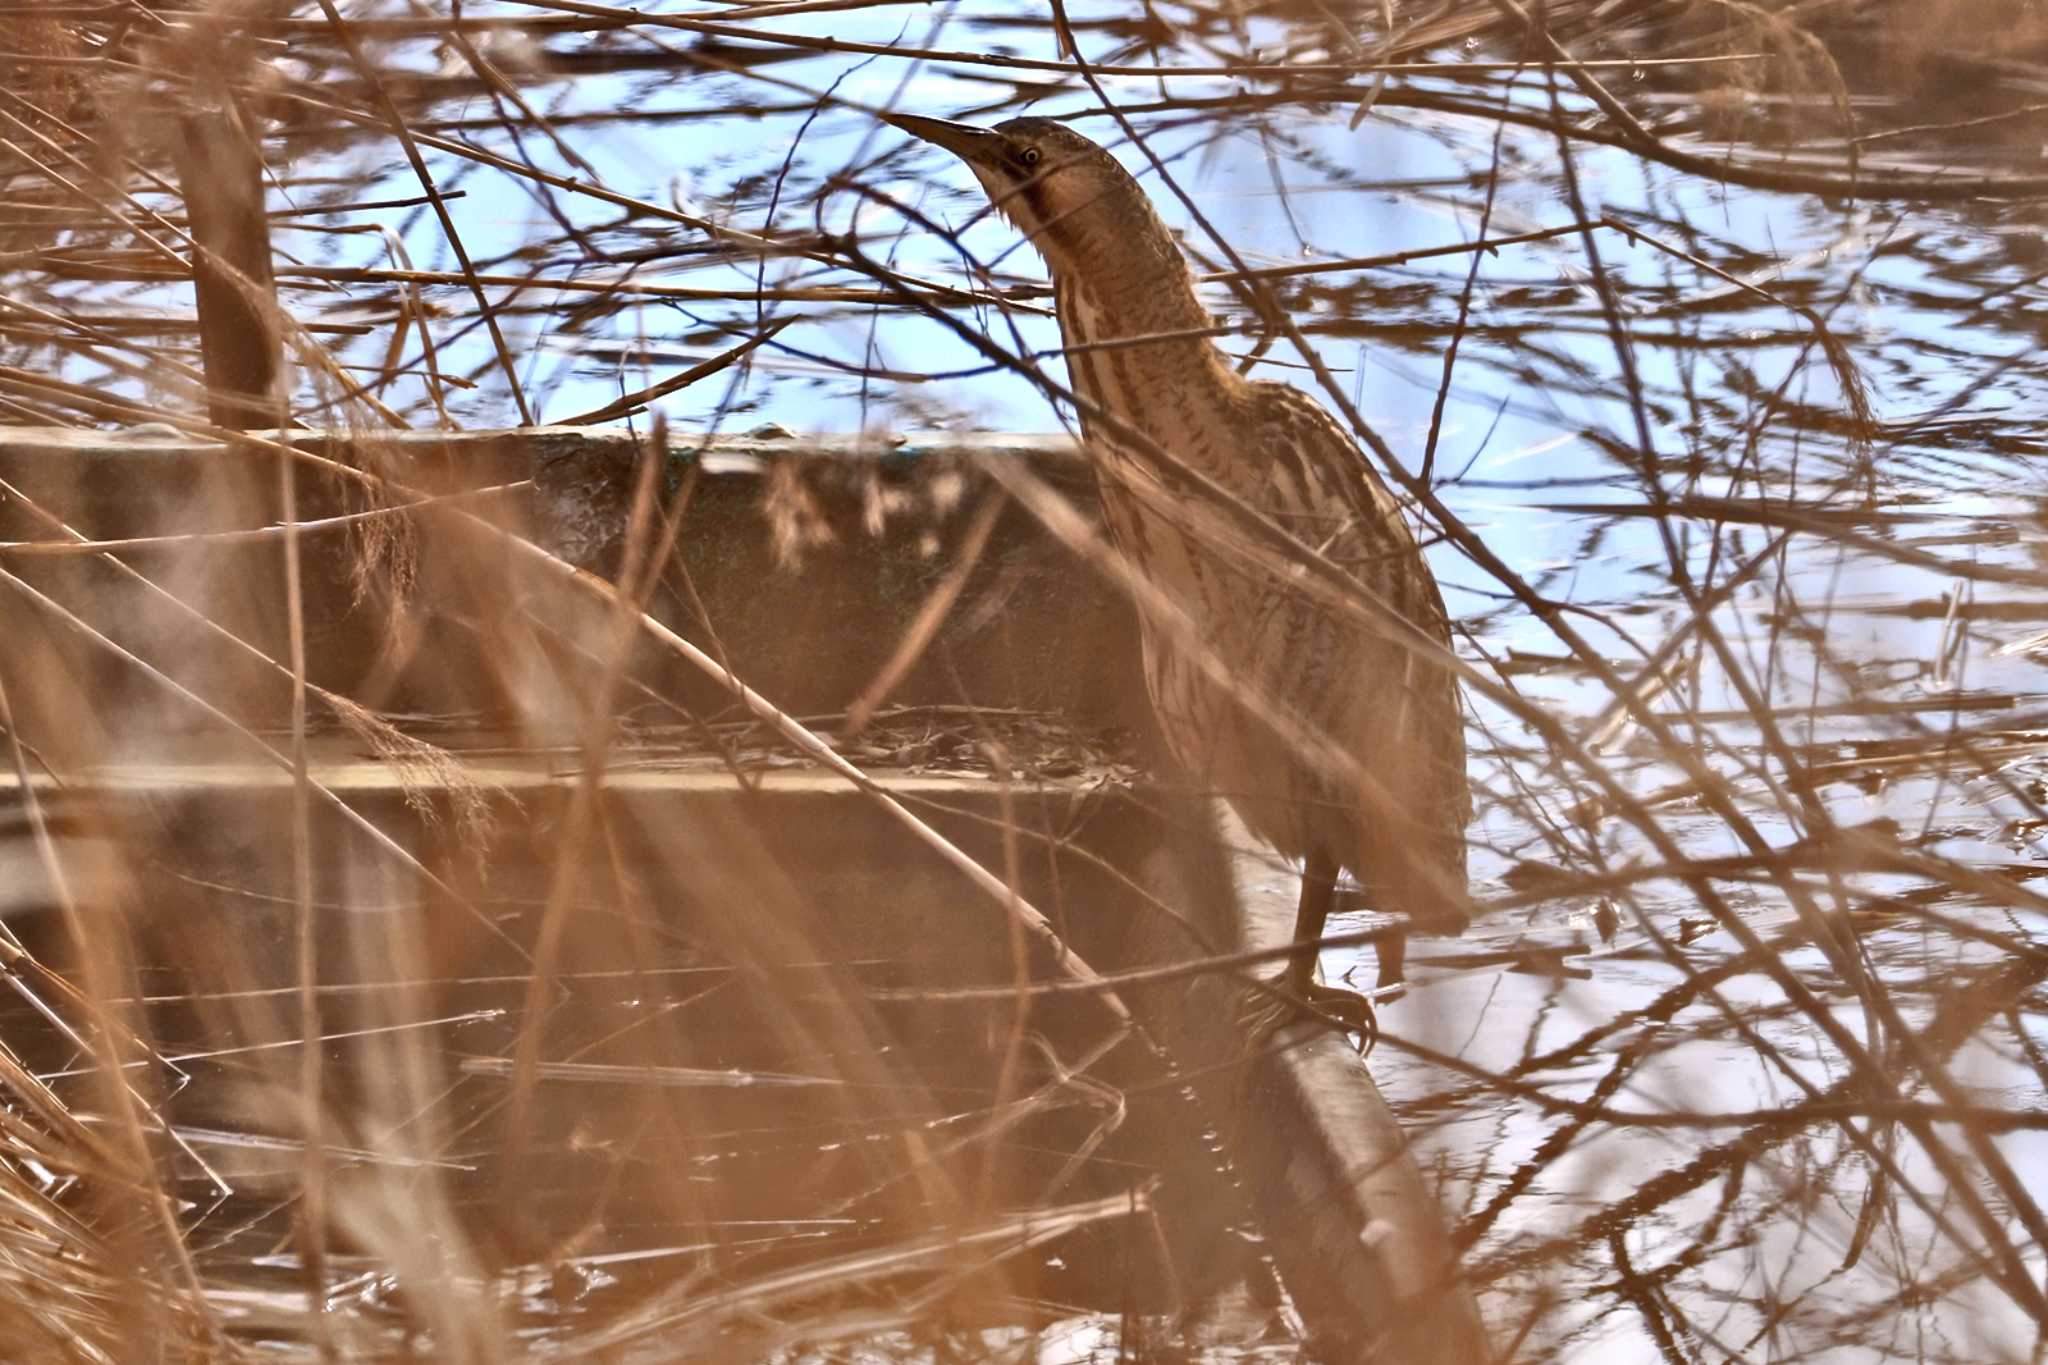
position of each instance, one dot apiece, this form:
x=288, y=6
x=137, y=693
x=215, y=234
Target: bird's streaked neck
x=1130, y=318
x=1103, y=241
x=1132, y=273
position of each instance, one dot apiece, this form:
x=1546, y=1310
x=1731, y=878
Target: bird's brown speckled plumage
x=1118, y=276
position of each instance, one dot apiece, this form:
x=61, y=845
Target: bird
x=1139, y=354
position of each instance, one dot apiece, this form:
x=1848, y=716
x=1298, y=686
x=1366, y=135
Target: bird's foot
x=1270, y=1005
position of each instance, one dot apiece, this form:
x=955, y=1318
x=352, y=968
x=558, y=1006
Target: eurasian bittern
x=1138, y=351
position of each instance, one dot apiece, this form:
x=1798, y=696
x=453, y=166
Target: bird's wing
x=1313, y=463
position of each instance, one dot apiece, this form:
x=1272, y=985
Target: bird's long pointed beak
x=964, y=140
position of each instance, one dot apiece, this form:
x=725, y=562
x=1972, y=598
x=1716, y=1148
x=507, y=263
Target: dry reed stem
x=1570, y=784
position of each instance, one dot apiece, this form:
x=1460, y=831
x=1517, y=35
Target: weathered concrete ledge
x=1369, y=1253
x=809, y=559
x=806, y=556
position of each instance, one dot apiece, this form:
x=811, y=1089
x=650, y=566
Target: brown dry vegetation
x=631, y=1042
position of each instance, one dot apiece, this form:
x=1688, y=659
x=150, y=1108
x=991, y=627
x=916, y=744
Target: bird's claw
x=1269, y=1005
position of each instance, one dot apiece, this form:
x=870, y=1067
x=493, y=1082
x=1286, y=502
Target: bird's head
x=1069, y=196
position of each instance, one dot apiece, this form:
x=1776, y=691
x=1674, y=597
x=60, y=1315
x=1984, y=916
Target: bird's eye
x=1029, y=156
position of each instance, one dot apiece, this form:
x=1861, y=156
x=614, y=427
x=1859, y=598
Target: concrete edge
x=1360, y=1237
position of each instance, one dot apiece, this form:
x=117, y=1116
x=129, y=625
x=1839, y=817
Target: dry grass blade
x=432, y=939
x=694, y=1323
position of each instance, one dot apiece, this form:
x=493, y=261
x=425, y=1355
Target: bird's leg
x=1298, y=983
x=1318, y=893
x=1393, y=953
